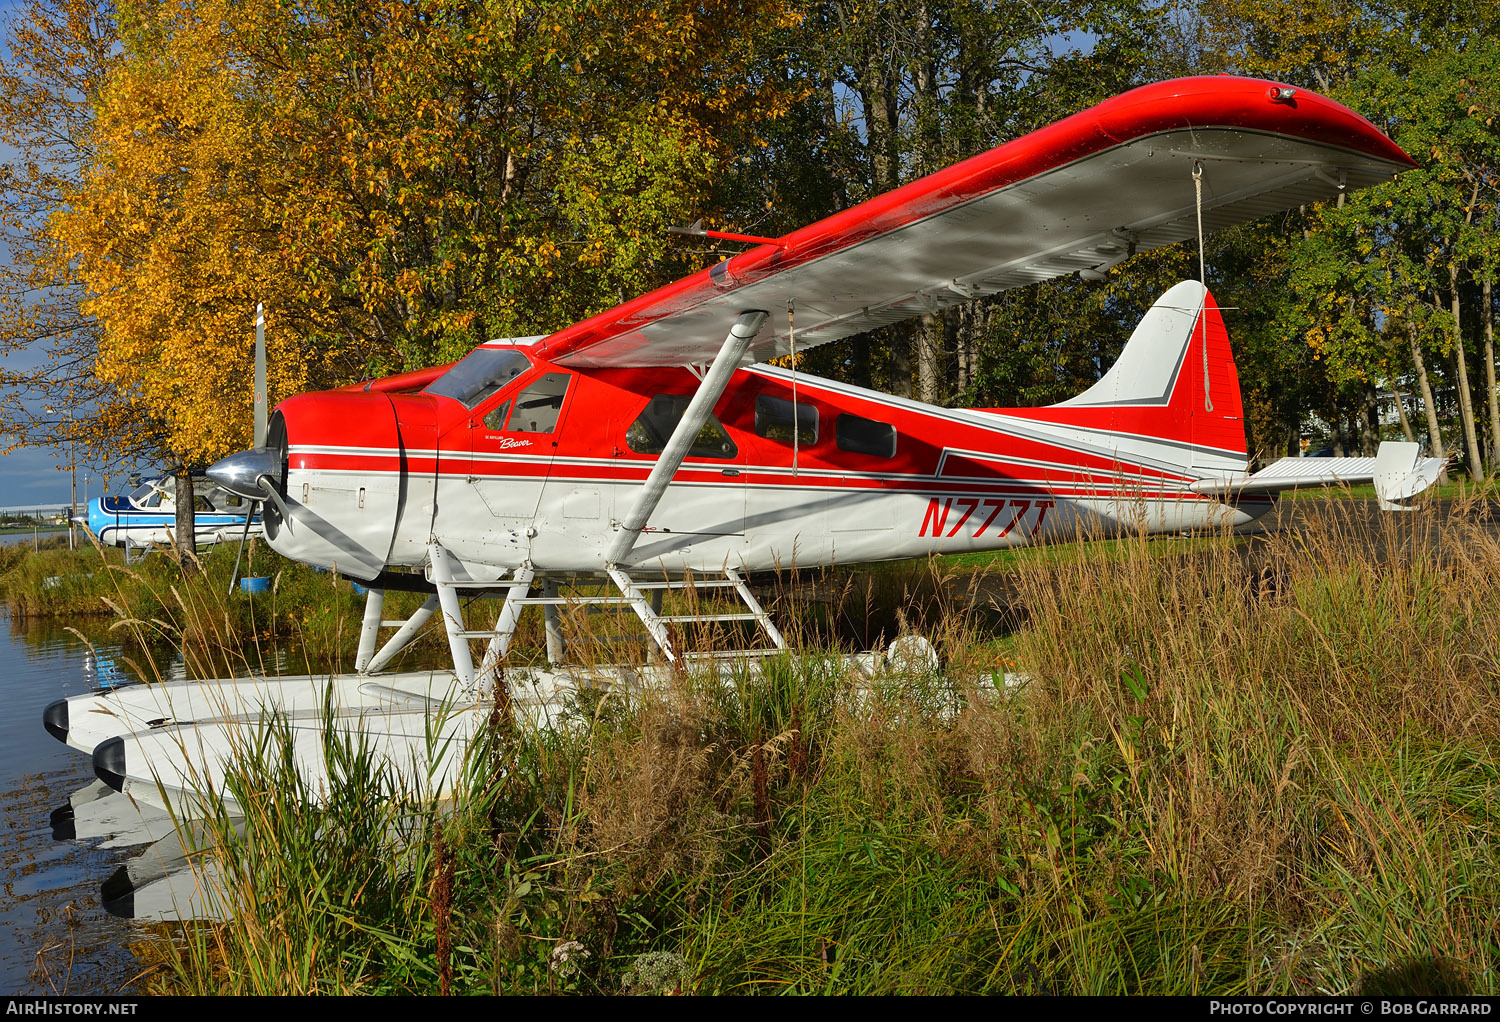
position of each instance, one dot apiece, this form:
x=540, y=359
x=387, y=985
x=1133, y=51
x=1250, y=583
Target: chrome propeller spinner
x=251, y=474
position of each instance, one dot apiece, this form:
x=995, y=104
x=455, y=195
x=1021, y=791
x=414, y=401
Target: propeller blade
x=270, y=489
x=351, y=560
x=260, y=375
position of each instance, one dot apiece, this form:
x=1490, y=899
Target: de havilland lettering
x=651, y=444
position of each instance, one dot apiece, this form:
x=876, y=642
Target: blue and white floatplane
x=148, y=513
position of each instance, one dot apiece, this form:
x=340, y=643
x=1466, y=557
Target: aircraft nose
x=109, y=762
x=55, y=719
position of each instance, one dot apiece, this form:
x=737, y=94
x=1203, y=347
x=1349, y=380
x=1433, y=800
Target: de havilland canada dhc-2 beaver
x=651, y=447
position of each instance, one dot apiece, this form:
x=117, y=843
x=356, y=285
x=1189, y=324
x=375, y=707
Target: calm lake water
x=54, y=932
x=55, y=935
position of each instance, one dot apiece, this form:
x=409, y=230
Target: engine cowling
x=331, y=477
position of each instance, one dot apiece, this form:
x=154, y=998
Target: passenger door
x=514, y=439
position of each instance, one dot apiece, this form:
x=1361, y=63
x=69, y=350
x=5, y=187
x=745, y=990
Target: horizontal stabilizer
x=1397, y=472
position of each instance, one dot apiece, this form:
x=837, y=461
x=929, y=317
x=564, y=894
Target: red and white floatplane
x=650, y=447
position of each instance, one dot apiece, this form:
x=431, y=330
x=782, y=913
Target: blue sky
x=33, y=476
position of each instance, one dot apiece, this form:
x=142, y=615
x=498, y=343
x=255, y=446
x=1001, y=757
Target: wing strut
x=709, y=391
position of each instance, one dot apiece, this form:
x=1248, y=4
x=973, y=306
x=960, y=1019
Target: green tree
x=900, y=88
x=1383, y=284
x=1442, y=216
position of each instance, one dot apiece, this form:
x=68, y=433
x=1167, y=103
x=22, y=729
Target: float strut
x=553, y=621
x=453, y=617
x=369, y=629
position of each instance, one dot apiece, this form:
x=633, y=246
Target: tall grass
x=1230, y=770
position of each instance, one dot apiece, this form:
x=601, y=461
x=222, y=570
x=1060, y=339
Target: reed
x=158, y=607
x=1230, y=769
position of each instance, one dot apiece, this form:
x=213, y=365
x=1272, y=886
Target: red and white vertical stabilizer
x=1170, y=405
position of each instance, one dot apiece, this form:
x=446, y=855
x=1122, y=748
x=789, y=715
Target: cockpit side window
x=479, y=374
x=539, y=405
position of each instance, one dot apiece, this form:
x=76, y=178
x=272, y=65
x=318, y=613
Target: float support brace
x=505, y=622
x=396, y=643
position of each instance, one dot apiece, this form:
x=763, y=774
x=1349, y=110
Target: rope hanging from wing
x=791, y=336
x=1208, y=404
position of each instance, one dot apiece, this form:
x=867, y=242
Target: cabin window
x=865, y=436
x=216, y=498
x=774, y=420
x=539, y=405
x=479, y=374
x=649, y=433
x=496, y=418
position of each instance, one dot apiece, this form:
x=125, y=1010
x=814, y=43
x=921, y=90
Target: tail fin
x=1174, y=383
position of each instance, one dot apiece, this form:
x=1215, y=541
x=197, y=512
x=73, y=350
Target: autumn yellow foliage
x=395, y=181
x=172, y=231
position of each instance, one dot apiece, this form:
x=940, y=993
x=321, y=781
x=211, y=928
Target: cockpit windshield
x=479, y=374
x=141, y=492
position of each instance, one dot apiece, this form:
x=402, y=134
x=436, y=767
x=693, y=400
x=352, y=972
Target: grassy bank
x=152, y=605
x=12, y=554
x=319, y=612
x=1278, y=776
